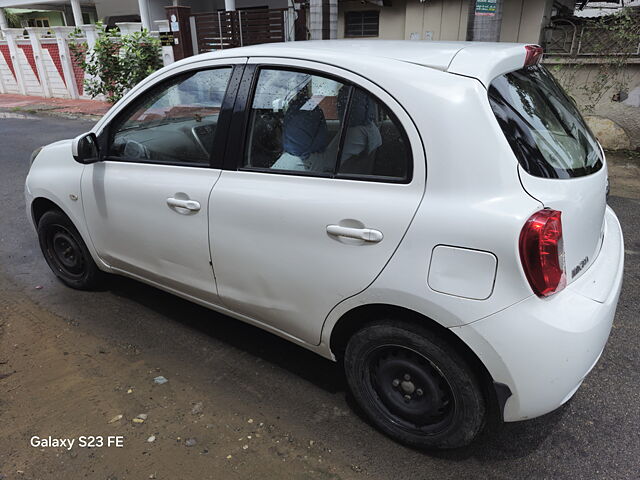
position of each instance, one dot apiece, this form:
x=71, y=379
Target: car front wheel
x=414, y=386
x=66, y=253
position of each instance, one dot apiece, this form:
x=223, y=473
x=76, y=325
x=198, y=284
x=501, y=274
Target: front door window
x=172, y=123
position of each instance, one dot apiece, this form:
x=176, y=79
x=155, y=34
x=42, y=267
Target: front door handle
x=188, y=204
x=366, y=234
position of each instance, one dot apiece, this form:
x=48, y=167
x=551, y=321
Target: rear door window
x=309, y=124
x=543, y=126
x=373, y=143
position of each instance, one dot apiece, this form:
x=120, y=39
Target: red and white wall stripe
x=39, y=63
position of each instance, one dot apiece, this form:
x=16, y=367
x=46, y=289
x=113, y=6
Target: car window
x=374, y=143
x=303, y=122
x=543, y=126
x=174, y=122
x=294, y=123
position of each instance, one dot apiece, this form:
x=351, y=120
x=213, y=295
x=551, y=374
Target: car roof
x=433, y=54
x=476, y=59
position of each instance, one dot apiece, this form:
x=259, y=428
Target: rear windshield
x=543, y=126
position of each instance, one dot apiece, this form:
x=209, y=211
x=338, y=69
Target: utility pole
x=485, y=20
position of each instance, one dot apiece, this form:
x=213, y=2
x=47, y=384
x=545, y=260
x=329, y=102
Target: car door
x=316, y=197
x=146, y=203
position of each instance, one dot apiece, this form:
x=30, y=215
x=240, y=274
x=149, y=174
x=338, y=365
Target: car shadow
x=242, y=336
x=498, y=441
x=508, y=441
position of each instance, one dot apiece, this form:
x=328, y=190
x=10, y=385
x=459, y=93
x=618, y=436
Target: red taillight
x=542, y=252
x=534, y=55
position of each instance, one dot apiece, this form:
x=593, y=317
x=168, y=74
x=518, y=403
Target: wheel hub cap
x=65, y=251
x=410, y=388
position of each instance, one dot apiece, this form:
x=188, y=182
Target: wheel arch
x=350, y=322
x=40, y=206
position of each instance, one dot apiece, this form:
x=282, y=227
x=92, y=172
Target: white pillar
x=333, y=19
x=289, y=24
x=90, y=34
x=62, y=37
x=229, y=5
x=34, y=37
x=10, y=35
x=143, y=6
x=315, y=19
x=3, y=20
x=3, y=26
x=77, y=12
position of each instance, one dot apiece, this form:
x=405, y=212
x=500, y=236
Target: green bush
x=117, y=62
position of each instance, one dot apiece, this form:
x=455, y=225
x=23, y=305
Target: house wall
x=55, y=18
x=436, y=20
x=157, y=10
x=615, y=123
x=392, y=19
x=107, y=8
x=214, y=5
x=260, y=3
x=522, y=20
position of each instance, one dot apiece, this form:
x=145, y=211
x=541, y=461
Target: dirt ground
x=60, y=380
x=624, y=174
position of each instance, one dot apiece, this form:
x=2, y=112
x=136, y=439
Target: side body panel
x=273, y=258
x=562, y=336
x=134, y=229
x=582, y=201
x=55, y=176
x=473, y=200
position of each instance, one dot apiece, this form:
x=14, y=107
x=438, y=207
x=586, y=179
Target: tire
x=66, y=253
x=413, y=386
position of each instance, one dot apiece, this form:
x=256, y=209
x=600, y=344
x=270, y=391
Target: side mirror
x=85, y=148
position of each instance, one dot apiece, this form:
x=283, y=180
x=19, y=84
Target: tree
x=610, y=43
x=13, y=19
x=117, y=62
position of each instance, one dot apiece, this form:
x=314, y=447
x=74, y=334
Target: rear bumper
x=542, y=349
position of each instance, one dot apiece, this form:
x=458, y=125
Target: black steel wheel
x=66, y=253
x=414, y=386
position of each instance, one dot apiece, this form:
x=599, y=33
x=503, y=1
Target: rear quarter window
x=546, y=132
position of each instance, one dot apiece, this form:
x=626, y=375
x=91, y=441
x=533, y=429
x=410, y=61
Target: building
x=80, y=12
x=521, y=20
x=47, y=13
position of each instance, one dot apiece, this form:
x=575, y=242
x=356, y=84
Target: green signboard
x=486, y=8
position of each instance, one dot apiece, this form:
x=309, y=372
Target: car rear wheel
x=414, y=386
x=66, y=253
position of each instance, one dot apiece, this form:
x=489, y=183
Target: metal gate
x=229, y=29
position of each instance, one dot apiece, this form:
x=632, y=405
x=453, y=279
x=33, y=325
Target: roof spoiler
x=486, y=61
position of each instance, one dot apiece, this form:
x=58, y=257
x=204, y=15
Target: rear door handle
x=188, y=204
x=366, y=234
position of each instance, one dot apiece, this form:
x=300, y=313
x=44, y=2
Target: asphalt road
x=595, y=435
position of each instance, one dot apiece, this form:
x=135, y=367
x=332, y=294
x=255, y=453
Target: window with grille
x=362, y=24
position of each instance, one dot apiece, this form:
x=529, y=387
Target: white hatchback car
x=431, y=214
